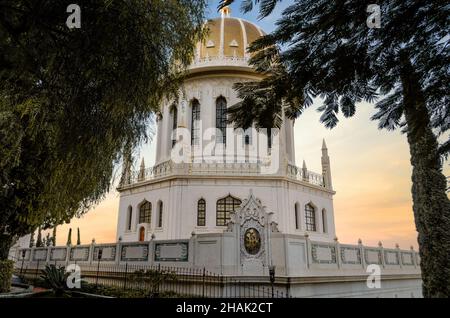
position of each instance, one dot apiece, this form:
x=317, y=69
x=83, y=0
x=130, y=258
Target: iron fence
x=165, y=281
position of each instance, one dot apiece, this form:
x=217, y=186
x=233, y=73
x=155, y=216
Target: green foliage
x=54, y=236
x=55, y=278
x=331, y=53
x=71, y=100
x=48, y=240
x=39, y=242
x=32, y=240
x=6, y=271
x=119, y=292
x=152, y=279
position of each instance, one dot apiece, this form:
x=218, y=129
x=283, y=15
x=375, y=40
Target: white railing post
x=362, y=253
x=338, y=252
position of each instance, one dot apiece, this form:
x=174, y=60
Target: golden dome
x=228, y=38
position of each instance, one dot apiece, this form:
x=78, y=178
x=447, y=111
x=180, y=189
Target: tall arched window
x=310, y=217
x=201, y=212
x=297, y=216
x=195, y=122
x=160, y=214
x=248, y=136
x=145, y=212
x=174, y=113
x=142, y=234
x=224, y=207
x=129, y=217
x=324, y=221
x=221, y=119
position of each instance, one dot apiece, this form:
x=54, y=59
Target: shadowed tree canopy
x=326, y=49
x=71, y=100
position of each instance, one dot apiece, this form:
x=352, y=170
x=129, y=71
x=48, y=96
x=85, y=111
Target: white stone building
x=171, y=200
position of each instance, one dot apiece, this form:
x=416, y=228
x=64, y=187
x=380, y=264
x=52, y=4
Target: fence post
x=96, y=278
x=288, y=287
x=125, y=280
x=37, y=270
x=203, y=283
x=21, y=268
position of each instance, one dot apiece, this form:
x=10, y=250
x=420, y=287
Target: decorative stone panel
x=134, y=253
x=323, y=254
x=58, y=254
x=172, y=252
x=372, y=256
x=350, y=255
x=40, y=254
x=79, y=254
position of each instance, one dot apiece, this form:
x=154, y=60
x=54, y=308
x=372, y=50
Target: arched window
x=324, y=221
x=174, y=113
x=221, y=119
x=141, y=234
x=297, y=216
x=310, y=217
x=195, y=123
x=129, y=217
x=224, y=207
x=160, y=214
x=201, y=212
x=145, y=212
x=247, y=136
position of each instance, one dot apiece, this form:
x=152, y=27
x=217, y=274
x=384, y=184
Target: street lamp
x=272, y=276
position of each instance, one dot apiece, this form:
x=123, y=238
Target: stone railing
x=335, y=255
x=319, y=258
x=219, y=61
x=177, y=251
x=169, y=168
x=300, y=174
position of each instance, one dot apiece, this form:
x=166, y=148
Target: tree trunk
x=430, y=202
x=6, y=242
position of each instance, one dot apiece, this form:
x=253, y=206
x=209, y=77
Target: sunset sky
x=370, y=169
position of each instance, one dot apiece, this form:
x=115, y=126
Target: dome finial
x=225, y=11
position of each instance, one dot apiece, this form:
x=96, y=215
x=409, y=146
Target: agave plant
x=55, y=278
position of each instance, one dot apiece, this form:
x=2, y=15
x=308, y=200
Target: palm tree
x=331, y=53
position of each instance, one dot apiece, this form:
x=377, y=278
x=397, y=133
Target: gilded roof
x=228, y=37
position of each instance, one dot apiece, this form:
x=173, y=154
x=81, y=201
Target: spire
x=305, y=172
x=142, y=170
x=326, y=169
x=324, y=145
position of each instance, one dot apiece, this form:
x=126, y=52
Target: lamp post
x=272, y=276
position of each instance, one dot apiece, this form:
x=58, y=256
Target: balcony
x=169, y=168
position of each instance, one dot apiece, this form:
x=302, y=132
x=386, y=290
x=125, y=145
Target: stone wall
x=292, y=255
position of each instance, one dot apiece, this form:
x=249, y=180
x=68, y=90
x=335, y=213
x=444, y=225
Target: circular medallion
x=252, y=241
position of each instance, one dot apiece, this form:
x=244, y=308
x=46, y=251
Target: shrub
x=6, y=271
x=56, y=278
